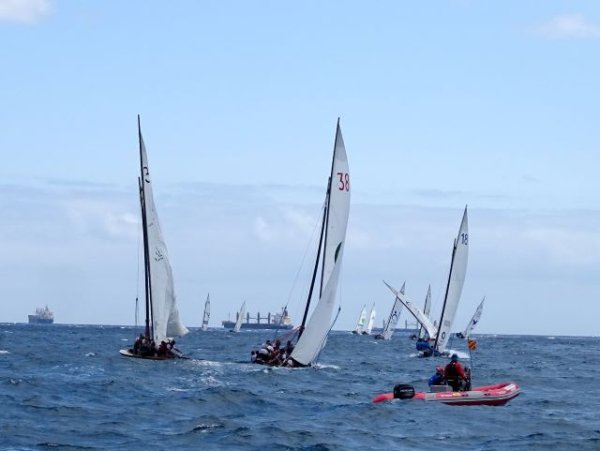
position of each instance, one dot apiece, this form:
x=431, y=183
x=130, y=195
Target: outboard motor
x=404, y=391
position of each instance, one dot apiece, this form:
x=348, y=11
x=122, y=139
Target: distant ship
x=271, y=321
x=41, y=316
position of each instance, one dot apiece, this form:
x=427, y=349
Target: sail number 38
x=344, y=181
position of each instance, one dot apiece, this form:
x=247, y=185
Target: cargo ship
x=41, y=316
x=270, y=321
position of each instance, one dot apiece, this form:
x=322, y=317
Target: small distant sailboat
x=474, y=320
x=162, y=320
x=439, y=336
x=389, y=326
x=360, y=324
x=206, y=316
x=312, y=334
x=371, y=322
x=240, y=318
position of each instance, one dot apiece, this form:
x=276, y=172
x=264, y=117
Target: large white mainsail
x=164, y=313
x=337, y=211
x=389, y=326
x=474, y=320
x=456, y=279
x=206, y=316
x=369, y=327
x=240, y=317
x=362, y=319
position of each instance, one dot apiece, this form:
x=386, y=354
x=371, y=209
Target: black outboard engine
x=404, y=391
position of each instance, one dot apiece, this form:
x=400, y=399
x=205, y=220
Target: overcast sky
x=490, y=104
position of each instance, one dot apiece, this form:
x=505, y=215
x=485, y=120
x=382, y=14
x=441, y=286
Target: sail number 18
x=344, y=181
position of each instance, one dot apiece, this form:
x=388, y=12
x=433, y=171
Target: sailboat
x=162, y=321
x=474, y=320
x=422, y=334
x=440, y=334
x=389, y=326
x=312, y=333
x=240, y=318
x=369, y=327
x=206, y=316
x=360, y=324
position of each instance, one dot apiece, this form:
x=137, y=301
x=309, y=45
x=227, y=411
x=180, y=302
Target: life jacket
x=451, y=372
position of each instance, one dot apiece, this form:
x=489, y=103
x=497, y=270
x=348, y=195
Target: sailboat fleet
x=162, y=322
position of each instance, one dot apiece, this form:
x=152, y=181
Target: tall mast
x=337, y=131
x=437, y=336
x=147, y=279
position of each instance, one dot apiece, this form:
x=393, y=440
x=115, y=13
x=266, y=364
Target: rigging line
x=308, y=246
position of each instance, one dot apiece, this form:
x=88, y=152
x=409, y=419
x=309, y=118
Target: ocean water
x=66, y=387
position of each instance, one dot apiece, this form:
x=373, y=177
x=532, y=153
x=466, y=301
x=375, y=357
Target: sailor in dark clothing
x=455, y=374
x=138, y=344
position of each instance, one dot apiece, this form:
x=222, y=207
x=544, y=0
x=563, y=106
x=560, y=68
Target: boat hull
x=128, y=353
x=34, y=319
x=260, y=326
x=487, y=395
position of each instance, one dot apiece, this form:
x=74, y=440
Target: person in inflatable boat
x=438, y=378
x=455, y=375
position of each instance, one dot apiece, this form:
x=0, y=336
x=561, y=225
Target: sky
x=443, y=104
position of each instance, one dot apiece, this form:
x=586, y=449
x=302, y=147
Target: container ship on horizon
x=270, y=321
x=41, y=316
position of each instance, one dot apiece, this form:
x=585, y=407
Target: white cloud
x=569, y=26
x=24, y=11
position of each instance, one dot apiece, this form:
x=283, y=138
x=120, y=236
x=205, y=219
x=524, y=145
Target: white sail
x=389, y=327
x=369, y=327
x=474, y=320
x=456, y=279
x=240, y=318
x=338, y=208
x=415, y=311
x=362, y=319
x=426, y=311
x=206, y=313
x=165, y=315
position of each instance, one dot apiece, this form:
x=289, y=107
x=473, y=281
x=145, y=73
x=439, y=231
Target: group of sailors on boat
x=146, y=347
x=453, y=375
x=273, y=354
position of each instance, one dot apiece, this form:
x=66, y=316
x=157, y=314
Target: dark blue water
x=66, y=387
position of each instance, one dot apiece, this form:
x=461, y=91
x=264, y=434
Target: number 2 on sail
x=344, y=181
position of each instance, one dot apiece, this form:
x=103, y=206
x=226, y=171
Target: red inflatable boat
x=487, y=395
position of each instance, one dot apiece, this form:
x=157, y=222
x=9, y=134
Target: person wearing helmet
x=455, y=374
x=438, y=378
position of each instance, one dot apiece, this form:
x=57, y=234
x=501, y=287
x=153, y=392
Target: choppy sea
x=67, y=387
